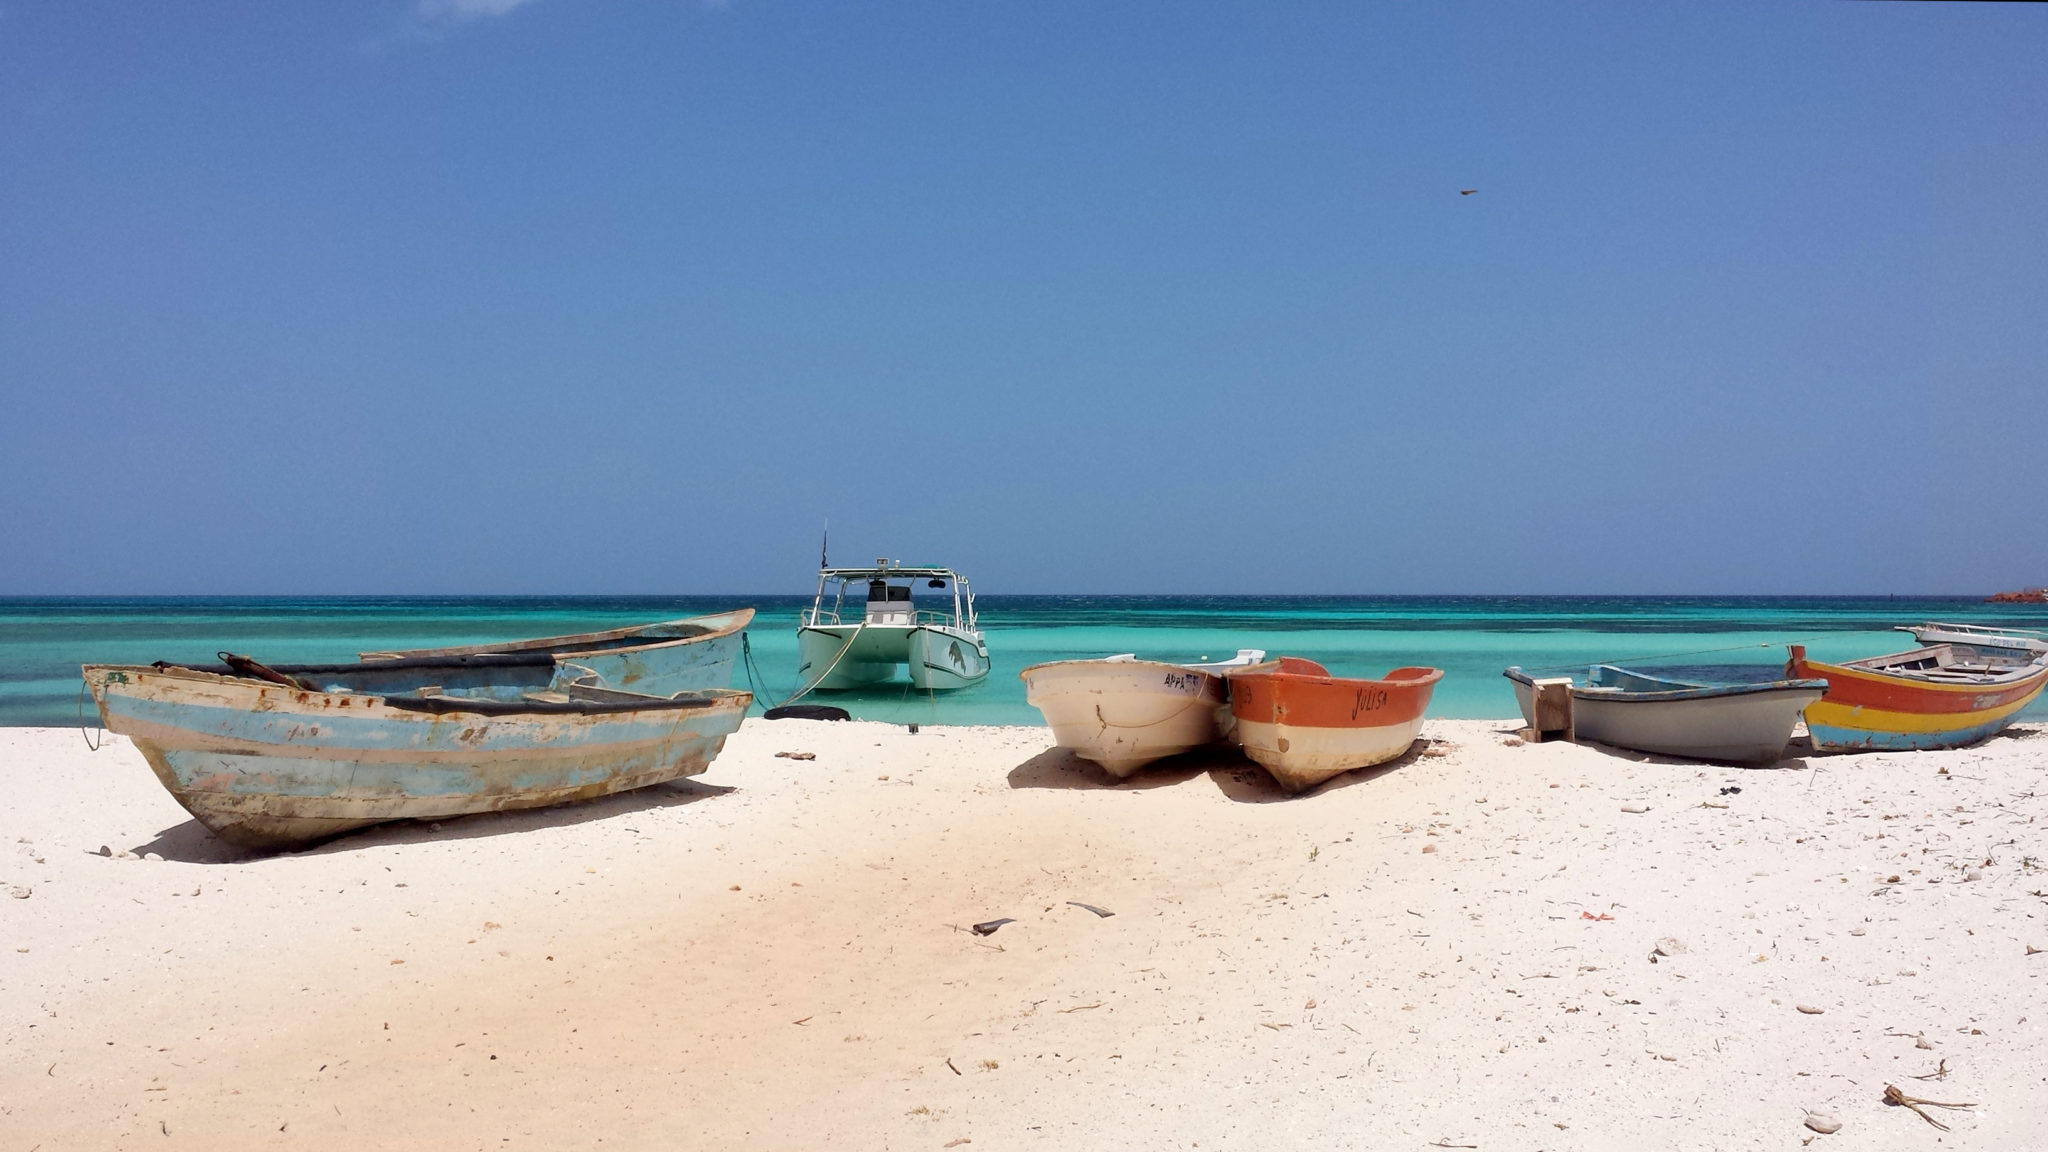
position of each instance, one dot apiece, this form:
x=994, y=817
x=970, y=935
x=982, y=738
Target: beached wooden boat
x=1124, y=713
x=655, y=659
x=285, y=757
x=1304, y=725
x=1940, y=696
x=1736, y=722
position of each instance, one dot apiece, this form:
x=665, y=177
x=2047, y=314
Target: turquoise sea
x=44, y=640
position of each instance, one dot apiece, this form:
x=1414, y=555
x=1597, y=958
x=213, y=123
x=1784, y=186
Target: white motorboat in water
x=1979, y=636
x=1123, y=713
x=840, y=646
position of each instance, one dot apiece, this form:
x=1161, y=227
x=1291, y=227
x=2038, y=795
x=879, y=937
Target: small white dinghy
x=1735, y=722
x=1123, y=713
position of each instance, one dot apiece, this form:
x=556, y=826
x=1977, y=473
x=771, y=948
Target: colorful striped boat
x=1941, y=696
x=1304, y=725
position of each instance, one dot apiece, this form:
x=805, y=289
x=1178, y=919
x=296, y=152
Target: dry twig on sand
x=1893, y=1096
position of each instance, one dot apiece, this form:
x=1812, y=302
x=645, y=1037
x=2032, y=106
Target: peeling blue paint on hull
x=662, y=659
x=1831, y=738
x=270, y=766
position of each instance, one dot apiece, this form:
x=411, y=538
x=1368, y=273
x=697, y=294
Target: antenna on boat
x=825, y=546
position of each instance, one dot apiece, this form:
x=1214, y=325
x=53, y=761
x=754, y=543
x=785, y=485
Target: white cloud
x=456, y=11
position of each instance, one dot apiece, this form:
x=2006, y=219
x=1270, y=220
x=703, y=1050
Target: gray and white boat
x=1742, y=723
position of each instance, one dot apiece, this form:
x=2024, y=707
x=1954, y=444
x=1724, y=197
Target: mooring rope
x=1677, y=655
x=843, y=650
x=81, y=721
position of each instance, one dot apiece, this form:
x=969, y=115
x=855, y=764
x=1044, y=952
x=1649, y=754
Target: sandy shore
x=1456, y=949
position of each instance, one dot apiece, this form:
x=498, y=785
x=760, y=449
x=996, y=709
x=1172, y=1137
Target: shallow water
x=44, y=640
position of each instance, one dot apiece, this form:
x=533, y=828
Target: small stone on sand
x=1823, y=1123
x=1809, y=1009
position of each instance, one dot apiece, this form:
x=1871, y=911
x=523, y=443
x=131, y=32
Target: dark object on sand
x=988, y=927
x=1897, y=1099
x=807, y=712
x=1103, y=912
x=1731, y=790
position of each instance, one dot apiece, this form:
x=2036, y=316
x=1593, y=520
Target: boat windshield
x=889, y=593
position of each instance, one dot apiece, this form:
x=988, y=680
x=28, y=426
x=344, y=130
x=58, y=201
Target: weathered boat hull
x=1868, y=710
x=686, y=655
x=1126, y=714
x=1737, y=723
x=1305, y=726
x=271, y=766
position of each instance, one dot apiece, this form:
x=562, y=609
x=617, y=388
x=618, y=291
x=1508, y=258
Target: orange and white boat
x=1304, y=725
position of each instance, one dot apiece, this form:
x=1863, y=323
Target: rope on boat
x=757, y=680
x=90, y=746
x=1675, y=655
x=843, y=650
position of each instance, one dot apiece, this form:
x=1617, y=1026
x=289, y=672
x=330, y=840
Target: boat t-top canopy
x=887, y=602
x=884, y=570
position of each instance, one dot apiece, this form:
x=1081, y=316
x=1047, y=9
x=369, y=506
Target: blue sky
x=630, y=295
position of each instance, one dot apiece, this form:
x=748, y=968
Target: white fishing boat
x=865, y=625
x=1740, y=722
x=1980, y=636
x=1124, y=713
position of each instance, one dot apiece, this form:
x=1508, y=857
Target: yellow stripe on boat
x=1826, y=713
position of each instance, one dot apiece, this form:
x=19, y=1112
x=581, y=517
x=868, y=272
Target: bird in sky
x=1467, y=191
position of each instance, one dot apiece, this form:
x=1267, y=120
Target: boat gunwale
x=708, y=699
x=1868, y=670
x=563, y=647
x=1696, y=691
x=1270, y=669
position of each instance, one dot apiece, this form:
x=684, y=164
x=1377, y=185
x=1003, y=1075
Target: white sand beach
x=1460, y=950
